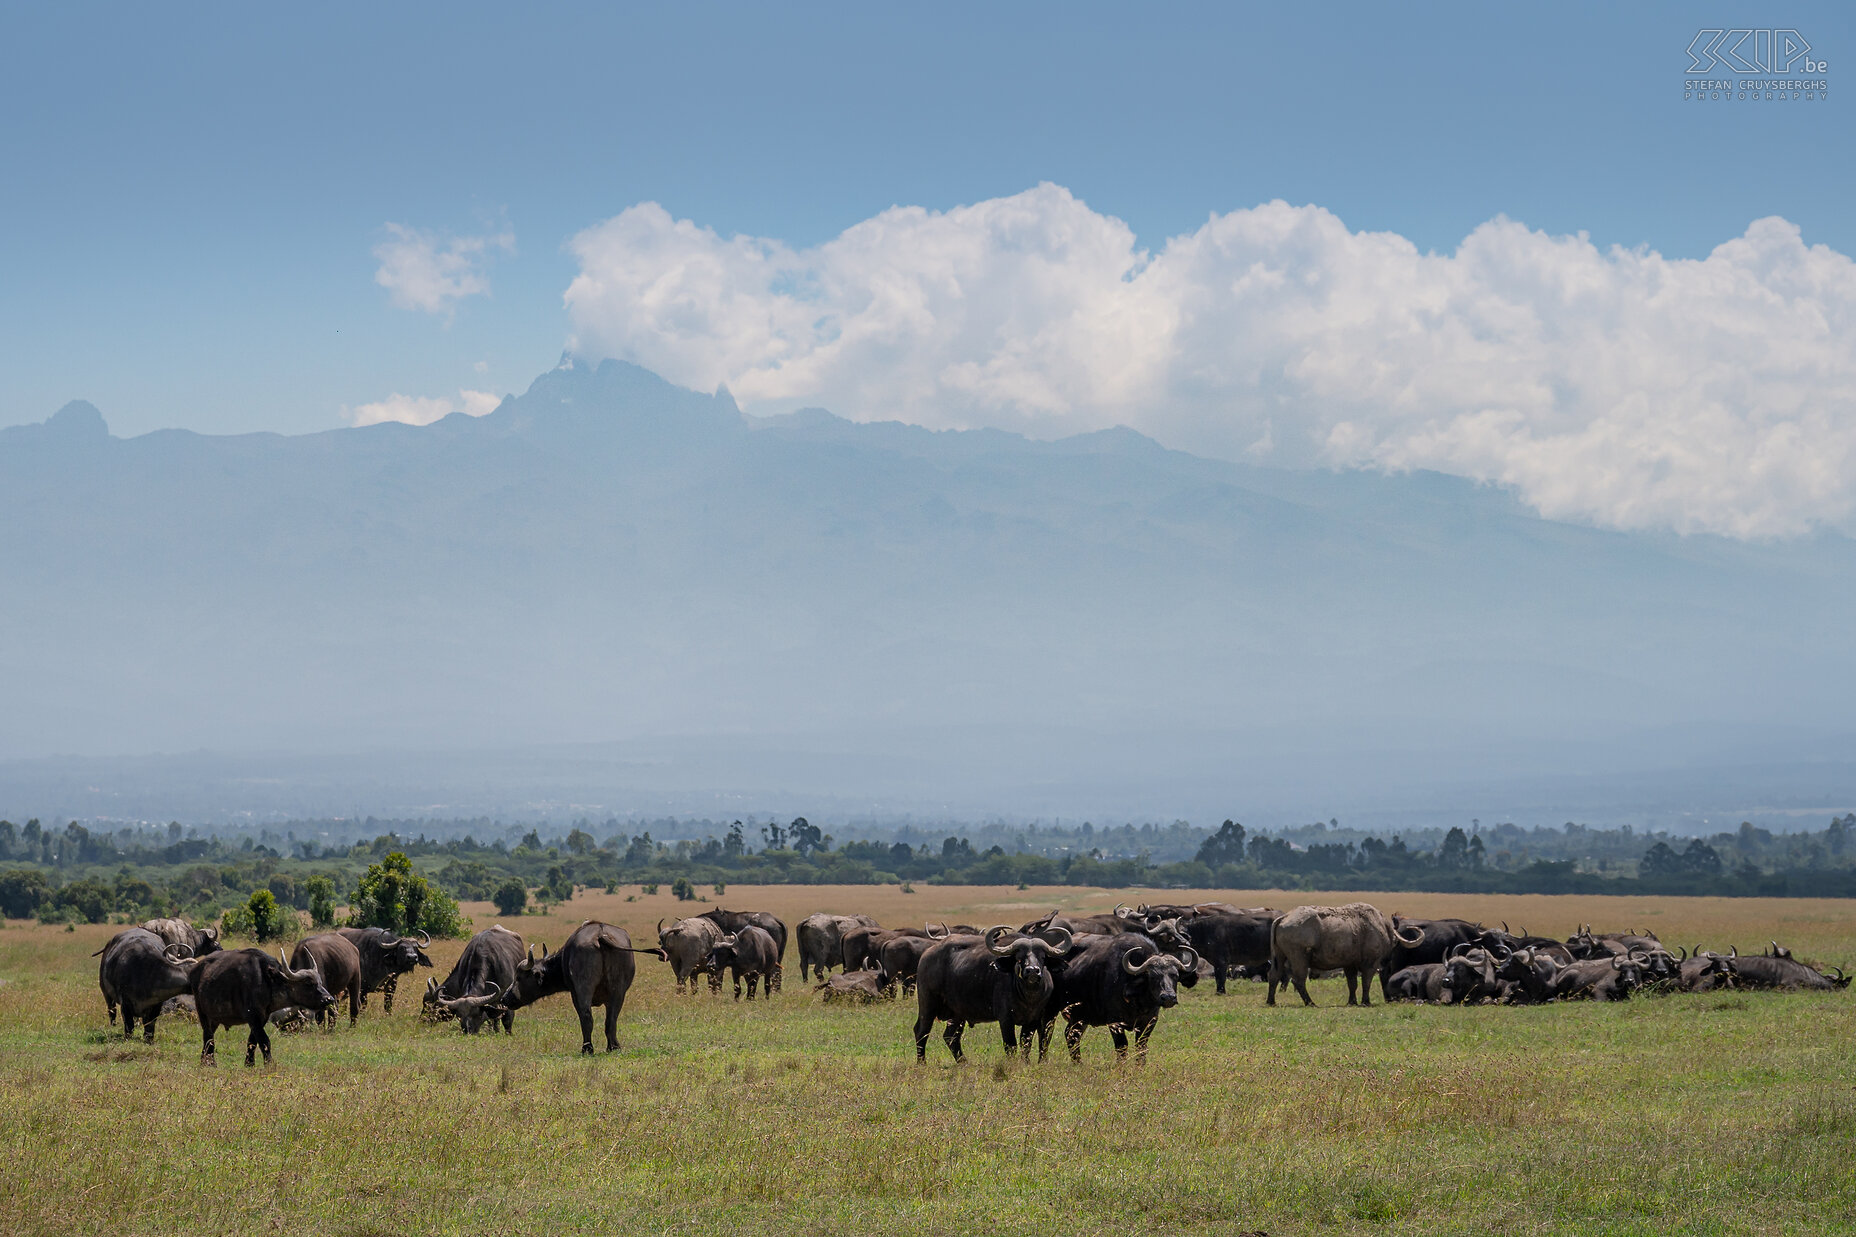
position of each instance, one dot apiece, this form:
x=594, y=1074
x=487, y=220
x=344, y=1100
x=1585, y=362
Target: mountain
x=876, y=612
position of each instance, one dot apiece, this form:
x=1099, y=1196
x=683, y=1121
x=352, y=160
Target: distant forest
x=87, y=873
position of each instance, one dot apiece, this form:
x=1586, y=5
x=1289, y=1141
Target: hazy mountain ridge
x=608, y=557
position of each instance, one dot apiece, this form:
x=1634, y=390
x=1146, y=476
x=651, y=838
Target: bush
x=682, y=890
x=88, y=900
x=393, y=896
x=649, y=889
x=22, y=892
x=321, y=893
x=268, y=920
x=511, y=897
x=720, y=888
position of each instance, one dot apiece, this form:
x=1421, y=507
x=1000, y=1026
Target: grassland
x=1728, y=1113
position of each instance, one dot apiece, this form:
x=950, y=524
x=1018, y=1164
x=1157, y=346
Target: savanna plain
x=1729, y=1112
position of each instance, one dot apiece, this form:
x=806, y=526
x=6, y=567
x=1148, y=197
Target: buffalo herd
x=1117, y=970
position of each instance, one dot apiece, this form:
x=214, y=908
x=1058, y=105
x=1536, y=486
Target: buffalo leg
x=951, y=1037
x=924, y=1023
x=737, y=974
x=206, y=1045
x=612, y=1025
x=1044, y=1038
x=1218, y=970
x=1271, y=998
x=148, y=1027
x=111, y=1006
x=128, y=1021
x=386, y=993
x=354, y=1003
x=1353, y=983
x=1073, y=1039
x=1119, y=1034
x=753, y=978
x=586, y=1028
x=1299, y=977
x=509, y=1023
x=1141, y=1035
x=258, y=1039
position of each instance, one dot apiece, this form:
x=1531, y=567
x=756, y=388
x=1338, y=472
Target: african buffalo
x=821, y=940
x=686, y=945
x=141, y=972
x=1438, y=937
x=1469, y=975
x=335, y=959
x=200, y=941
x=483, y=972
x=1704, y=971
x=248, y=986
x=989, y=980
x=1780, y=971
x=594, y=967
x=1354, y=938
x=1605, y=978
x=385, y=956
x=1529, y=974
x=1121, y=982
x=1228, y=939
x=861, y=987
x=1424, y=982
x=772, y=925
x=749, y=952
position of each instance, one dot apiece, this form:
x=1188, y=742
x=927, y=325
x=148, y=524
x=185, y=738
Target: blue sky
x=193, y=198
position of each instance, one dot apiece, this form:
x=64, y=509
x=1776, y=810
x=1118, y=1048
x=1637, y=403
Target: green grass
x=1731, y=1113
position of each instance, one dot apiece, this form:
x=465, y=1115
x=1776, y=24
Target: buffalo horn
x=1122, y=911
x=425, y=942
x=1733, y=951
x=169, y=949
x=544, y=951
x=1189, y=958
x=1132, y=969
x=1059, y=939
x=992, y=941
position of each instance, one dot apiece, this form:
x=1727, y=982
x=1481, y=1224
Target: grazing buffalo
x=821, y=940
x=1437, y=938
x=1607, y=978
x=199, y=941
x=483, y=972
x=772, y=925
x=1120, y=982
x=1779, y=970
x=991, y=979
x=858, y=987
x=248, y=986
x=594, y=967
x=686, y=945
x=141, y=972
x=1354, y=939
x=385, y=957
x=900, y=957
x=750, y=952
x=335, y=959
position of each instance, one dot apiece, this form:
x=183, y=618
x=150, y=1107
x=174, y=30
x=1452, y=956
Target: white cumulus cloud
x=420, y=410
x=426, y=271
x=1611, y=385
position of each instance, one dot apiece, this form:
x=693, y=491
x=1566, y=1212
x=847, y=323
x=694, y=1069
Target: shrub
x=22, y=891
x=393, y=896
x=269, y=921
x=649, y=889
x=681, y=889
x=321, y=891
x=511, y=897
x=720, y=888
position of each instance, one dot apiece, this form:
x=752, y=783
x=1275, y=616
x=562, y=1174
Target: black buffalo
x=248, y=986
x=1227, y=939
x=993, y=979
x=749, y=953
x=594, y=967
x=335, y=959
x=1439, y=937
x=141, y=972
x=385, y=957
x=771, y=924
x=483, y=972
x=1119, y=982
x=1781, y=971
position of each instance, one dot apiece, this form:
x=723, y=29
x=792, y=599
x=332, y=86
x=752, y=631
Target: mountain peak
x=77, y=421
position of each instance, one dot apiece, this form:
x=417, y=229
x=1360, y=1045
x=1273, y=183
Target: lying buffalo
x=1610, y=977
x=248, y=986
x=1705, y=971
x=1779, y=970
x=338, y=963
x=749, y=953
x=385, y=956
x=1423, y=982
x=141, y=972
x=1437, y=939
x=1529, y=975
x=1119, y=982
x=594, y=967
x=483, y=972
x=993, y=979
x=1354, y=939
x=858, y=987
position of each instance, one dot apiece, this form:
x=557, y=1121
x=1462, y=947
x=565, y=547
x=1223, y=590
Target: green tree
x=268, y=920
x=681, y=890
x=90, y=899
x=321, y=893
x=391, y=895
x=580, y=842
x=511, y=897
x=1224, y=846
